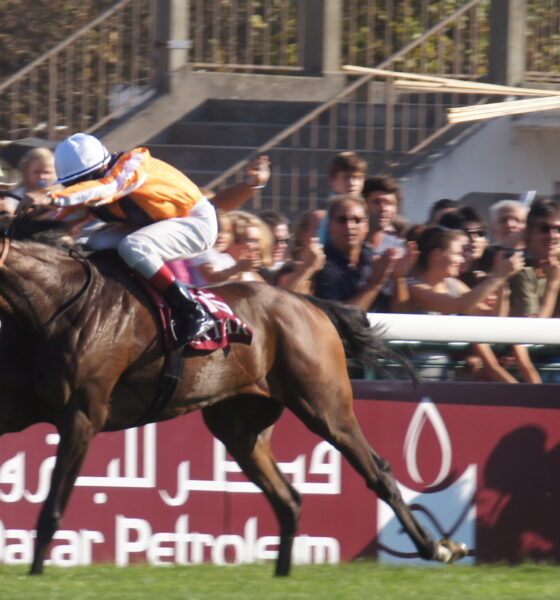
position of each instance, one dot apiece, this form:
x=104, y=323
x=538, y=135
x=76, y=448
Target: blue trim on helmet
x=83, y=172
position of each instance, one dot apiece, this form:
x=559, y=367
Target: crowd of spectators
x=359, y=249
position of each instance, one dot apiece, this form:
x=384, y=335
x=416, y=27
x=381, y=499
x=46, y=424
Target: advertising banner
x=478, y=463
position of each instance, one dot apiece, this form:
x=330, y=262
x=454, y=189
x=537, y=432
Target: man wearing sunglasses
x=350, y=273
x=535, y=289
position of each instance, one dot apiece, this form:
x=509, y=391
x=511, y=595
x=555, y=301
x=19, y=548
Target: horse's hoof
x=449, y=551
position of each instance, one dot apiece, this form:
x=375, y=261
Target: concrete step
x=256, y=134
x=406, y=112
x=257, y=111
x=218, y=159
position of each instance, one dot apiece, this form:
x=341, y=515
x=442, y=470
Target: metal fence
x=372, y=116
x=266, y=35
x=84, y=81
x=543, y=41
x=246, y=35
x=374, y=30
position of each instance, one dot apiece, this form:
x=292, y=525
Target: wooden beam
x=445, y=81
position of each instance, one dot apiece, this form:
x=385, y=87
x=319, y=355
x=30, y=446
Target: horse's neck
x=35, y=280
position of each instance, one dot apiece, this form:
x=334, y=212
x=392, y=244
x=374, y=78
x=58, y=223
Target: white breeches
x=148, y=248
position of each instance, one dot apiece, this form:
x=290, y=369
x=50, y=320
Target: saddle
x=228, y=329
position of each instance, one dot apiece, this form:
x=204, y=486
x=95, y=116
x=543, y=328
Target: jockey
x=157, y=214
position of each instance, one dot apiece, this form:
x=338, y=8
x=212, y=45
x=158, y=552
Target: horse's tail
x=362, y=341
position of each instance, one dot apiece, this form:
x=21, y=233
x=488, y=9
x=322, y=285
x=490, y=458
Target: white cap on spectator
x=79, y=155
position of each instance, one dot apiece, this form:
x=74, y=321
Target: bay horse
x=81, y=348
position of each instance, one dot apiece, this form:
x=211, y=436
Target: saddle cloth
x=228, y=329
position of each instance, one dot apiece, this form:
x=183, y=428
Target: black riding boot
x=189, y=320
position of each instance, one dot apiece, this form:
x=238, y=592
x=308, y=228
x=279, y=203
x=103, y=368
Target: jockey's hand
x=30, y=201
x=257, y=173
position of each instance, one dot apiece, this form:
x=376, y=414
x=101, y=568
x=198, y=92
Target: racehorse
x=81, y=348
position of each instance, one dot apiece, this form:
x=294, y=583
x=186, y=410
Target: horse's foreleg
x=336, y=422
x=76, y=433
x=252, y=452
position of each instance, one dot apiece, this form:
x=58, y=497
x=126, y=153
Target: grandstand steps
x=220, y=132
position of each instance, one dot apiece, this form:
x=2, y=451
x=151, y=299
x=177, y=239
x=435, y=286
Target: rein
x=6, y=245
x=70, y=302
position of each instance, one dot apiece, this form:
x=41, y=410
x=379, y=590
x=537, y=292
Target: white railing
x=446, y=328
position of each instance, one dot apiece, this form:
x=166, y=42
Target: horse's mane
x=31, y=227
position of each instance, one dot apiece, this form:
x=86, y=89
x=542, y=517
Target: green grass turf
x=359, y=581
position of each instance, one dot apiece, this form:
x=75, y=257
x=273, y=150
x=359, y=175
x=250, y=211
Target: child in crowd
x=346, y=176
x=347, y=173
x=37, y=175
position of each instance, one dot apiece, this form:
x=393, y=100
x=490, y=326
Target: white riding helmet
x=79, y=155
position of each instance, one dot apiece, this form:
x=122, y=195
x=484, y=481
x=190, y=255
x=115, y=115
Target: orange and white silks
x=138, y=189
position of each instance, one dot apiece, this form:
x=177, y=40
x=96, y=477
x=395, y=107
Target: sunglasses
x=279, y=241
x=343, y=220
x=546, y=228
x=475, y=233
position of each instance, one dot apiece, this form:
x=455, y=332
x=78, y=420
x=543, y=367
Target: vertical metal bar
x=371, y=38
x=69, y=83
x=294, y=172
x=407, y=23
x=267, y=19
x=352, y=32
x=284, y=33
x=457, y=49
x=388, y=31
x=216, y=38
x=250, y=40
x=233, y=26
x=51, y=119
x=33, y=97
x=312, y=174
x=84, y=115
x=101, y=87
x=134, y=54
x=389, y=118
x=199, y=33
x=370, y=116
x=151, y=42
x=351, y=122
x=276, y=187
x=404, y=103
x=333, y=123
x=14, y=110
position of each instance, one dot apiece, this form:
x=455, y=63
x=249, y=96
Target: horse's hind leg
x=329, y=413
x=245, y=436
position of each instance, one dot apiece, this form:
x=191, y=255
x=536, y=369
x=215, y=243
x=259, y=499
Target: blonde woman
x=251, y=244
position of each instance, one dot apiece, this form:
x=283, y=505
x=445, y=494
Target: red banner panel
x=479, y=463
